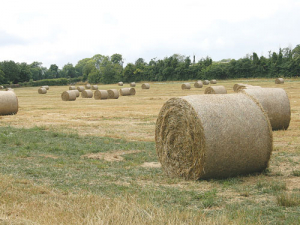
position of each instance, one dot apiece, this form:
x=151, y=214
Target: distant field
x=94, y=162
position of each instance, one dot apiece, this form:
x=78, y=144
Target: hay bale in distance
x=198, y=84
x=87, y=94
x=215, y=90
x=113, y=94
x=120, y=83
x=42, y=90
x=80, y=88
x=276, y=104
x=94, y=87
x=279, y=81
x=77, y=93
x=213, y=82
x=186, y=86
x=145, y=86
x=72, y=88
x=88, y=86
x=206, y=82
x=1, y=87
x=127, y=91
x=101, y=94
x=45, y=86
x=132, y=91
x=213, y=136
x=8, y=103
x=69, y=95
x=132, y=84
x=240, y=88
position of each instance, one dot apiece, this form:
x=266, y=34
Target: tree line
x=110, y=69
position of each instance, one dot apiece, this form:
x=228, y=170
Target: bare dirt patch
x=151, y=165
x=110, y=156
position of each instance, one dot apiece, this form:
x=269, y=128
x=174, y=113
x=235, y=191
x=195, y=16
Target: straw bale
x=8, y=103
x=206, y=82
x=94, y=87
x=213, y=136
x=124, y=91
x=69, y=95
x=132, y=91
x=45, y=86
x=80, y=88
x=198, y=84
x=72, y=88
x=186, y=86
x=113, y=94
x=1, y=87
x=77, y=93
x=276, y=104
x=9, y=89
x=101, y=94
x=42, y=90
x=120, y=83
x=132, y=84
x=88, y=86
x=215, y=90
x=240, y=88
x=213, y=81
x=279, y=81
x=145, y=86
x=87, y=94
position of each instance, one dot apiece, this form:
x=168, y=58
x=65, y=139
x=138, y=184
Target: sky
x=64, y=31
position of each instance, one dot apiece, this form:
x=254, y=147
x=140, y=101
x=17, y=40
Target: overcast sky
x=64, y=31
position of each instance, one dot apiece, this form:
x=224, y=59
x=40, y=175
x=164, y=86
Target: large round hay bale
x=94, y=87
x=132, y=91
x=124, y=91
x=276, y=104
x=132, y=84
x=113, y=94
x=198, y=84
x=45, y=86
x=72, y=88
x=87, y=94
x=215, y=90
x=213, y=81
x=80, y=88
x=42, y=90
x=68, y=95
x=8, y=103
x=279, y=81
x=186, y=86
x=101, y=94
x=88, y=86
x=145, y=86
x=240, y=88
x=206, y=82
x=120, y=83
x=213, y=136
x=77, y=93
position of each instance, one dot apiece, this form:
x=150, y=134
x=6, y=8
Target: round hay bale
x=8, y=103
x=215, y=90
x=69, y=95
x=1, y=87
x=113, y=94
x=101, y=94
x=124, y=91
x=186, y=86
x=213, y=81
x=213, y=136
x=80, y=88
x=145, y=86
x=132, y=84
x=88, y=86
x=276, y=104
x=42, y=90
x=87, y=94
x=76, y=93
x=240, y=88
x=72, y=88
x=206, y=82
x=132, y=91
x=198, y=84
x=9, y=89
x=279, y=81
x=94, y=87
x=45, y=86
x=120, y=83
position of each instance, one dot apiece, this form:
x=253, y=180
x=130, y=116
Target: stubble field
x=94, y=162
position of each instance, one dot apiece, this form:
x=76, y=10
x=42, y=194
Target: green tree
x=25, y=72
x=11, y=71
